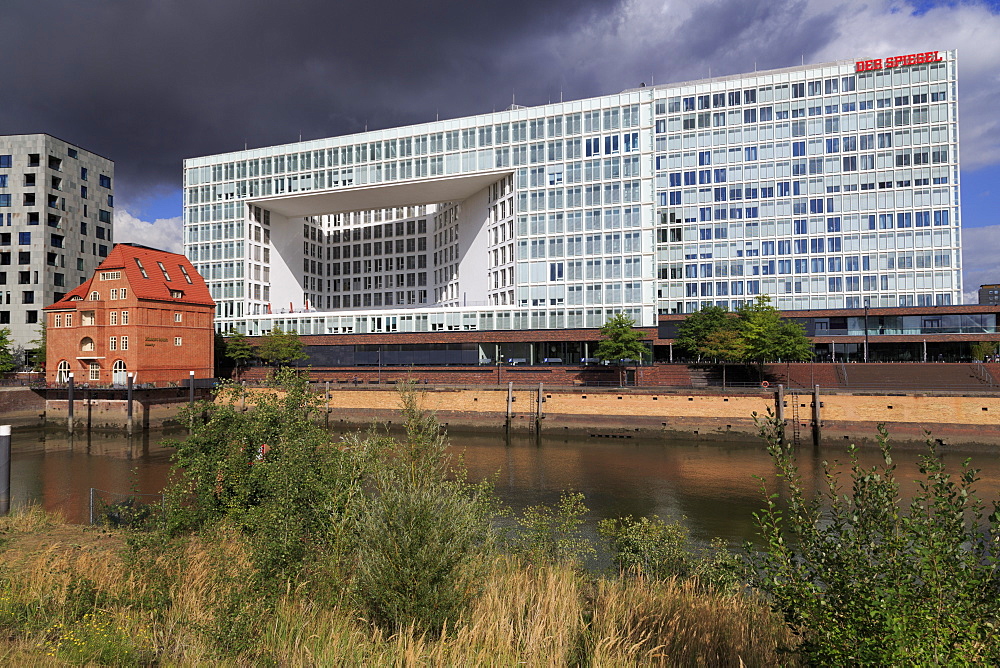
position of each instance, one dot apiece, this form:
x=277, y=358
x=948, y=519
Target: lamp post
x=866, y=328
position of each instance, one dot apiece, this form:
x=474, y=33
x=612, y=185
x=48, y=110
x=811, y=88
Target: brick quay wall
x=956, y=418
x=964, y=419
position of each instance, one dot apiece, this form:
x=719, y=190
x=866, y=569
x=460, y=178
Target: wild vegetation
x=864, y=578
x=279, y=545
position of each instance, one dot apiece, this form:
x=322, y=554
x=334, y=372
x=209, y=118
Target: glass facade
x=820, y=186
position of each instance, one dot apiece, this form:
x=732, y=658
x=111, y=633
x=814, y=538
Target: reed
x=73, y=595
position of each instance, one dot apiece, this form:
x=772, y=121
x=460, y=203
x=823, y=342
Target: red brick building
x=144, y=311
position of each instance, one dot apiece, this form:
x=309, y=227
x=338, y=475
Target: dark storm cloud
x=148, y=83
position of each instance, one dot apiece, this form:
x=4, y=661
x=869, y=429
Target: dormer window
x=177, y=294
x=76, y=298
x=110, y=275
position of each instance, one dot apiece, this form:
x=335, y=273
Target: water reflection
x=57, y=470
x=713, y=485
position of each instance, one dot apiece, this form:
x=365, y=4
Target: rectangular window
x=113, y=318
x=124, y=317
x=113, y=343
x=177, y=340
x=124, y=343
x=177, y=317
x=95, y=371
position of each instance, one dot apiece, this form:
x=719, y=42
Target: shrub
x=648, y=546
x=652, y=548
x=553, y=534
x=423, y=533
x=863, y=578
x=271, y=472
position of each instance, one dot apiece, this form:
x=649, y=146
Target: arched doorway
x=62, y=372
x=118, y=376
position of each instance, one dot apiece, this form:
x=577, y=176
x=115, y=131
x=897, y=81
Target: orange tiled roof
x=147, y=280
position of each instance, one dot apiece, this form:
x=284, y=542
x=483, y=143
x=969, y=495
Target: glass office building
x=823, y=186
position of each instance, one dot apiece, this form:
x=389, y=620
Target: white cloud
x=163, y=233
x=980, y=259
x=684, y=41
x=890, y=28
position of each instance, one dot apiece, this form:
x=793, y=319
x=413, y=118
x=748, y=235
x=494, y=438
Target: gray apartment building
x=56, y=203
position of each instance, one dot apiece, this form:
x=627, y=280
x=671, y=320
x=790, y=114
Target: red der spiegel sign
x=898, y=61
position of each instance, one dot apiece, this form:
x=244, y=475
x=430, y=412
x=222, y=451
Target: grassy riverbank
x=82, y=595
x=278, y=544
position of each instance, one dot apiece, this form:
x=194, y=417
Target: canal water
x=712, y=487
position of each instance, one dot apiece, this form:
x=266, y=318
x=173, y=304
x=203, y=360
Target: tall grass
x=83, y=601
x=679, y=623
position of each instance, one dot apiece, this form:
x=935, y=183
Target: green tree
x=863, y=578
x=723, y=344
x=693, y=332
x=38, y=354
x=982, y=349
x=238, y=350
x=791, y=342
x=621, y=341
x=767, y=337
x=280, y=348
x=8, y=361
